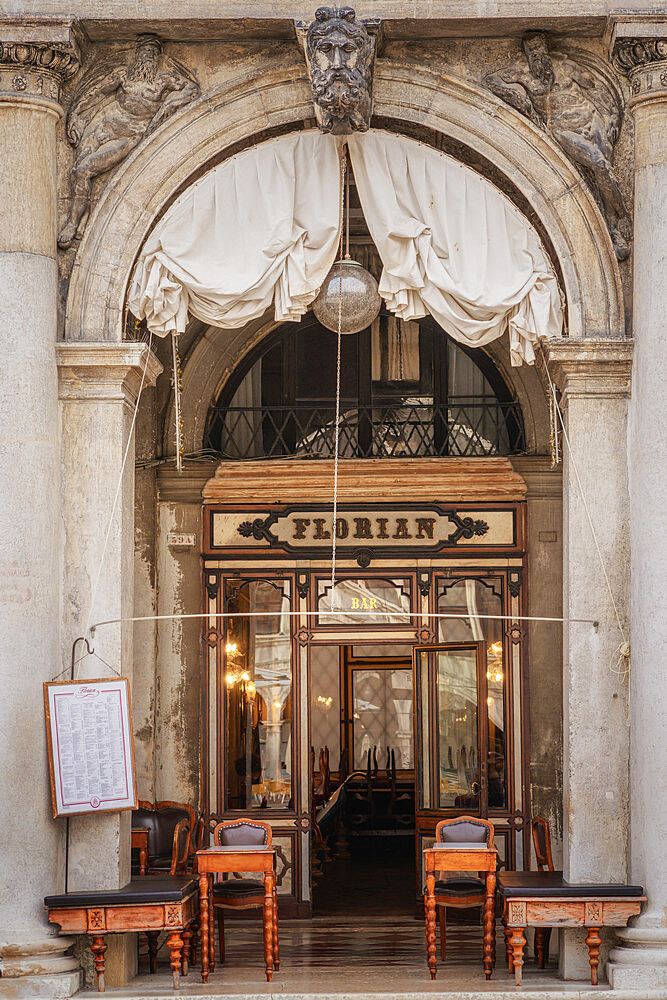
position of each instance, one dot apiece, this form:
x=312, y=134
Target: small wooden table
x=545, y=899
x=227, y=860
x=467, y=858
x=140, y=840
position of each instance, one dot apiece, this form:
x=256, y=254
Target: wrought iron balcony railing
x=406, y=429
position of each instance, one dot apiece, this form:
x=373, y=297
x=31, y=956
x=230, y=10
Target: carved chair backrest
x=181, y=848
x=471, y=830
x=206, y=824
x=465, y=830
x=542, y=843
x=242, y=833
x=160, y=819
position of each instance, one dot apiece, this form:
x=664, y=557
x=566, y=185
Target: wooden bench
x=545, y=899
x=150, y=903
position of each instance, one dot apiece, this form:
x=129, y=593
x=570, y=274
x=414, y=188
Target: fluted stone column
x=594, y=379
x=641, y=960
x=99, y=385
x=33, y=63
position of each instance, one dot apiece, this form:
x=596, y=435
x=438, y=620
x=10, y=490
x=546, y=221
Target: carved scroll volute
x=35, y=69
x=340, y=55
x=644, y=60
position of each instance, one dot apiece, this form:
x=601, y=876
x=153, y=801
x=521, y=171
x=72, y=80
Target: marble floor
x=364, y=941
x=354, y=959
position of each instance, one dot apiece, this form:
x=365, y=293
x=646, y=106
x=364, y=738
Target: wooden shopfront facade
x=283, y=673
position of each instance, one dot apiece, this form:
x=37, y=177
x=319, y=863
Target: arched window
x=407, y=391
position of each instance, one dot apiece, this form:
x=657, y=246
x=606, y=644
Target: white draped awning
x=260, y=229
x=263, y=228
x=453, y=245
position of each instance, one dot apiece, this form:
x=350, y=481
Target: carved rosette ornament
x=644, y=60
x=340, y=55
x=34, y=70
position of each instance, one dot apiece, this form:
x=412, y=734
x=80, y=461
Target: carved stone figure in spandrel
x=579, y=111
x=111, y=117
x=340, y=53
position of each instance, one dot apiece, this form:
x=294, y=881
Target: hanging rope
x=178, y=389
x=343, y=165
x=554, y=432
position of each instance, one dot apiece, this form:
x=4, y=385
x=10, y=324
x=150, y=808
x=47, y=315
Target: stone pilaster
x=33, y=63
x=640, y=49
x=99, y=384
x=594, y=380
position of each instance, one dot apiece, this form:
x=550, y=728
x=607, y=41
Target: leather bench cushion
x=143, y=889
x=238, y=888
x=460, y=887
x=545, y=884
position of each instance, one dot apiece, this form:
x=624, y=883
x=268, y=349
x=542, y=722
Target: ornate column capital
x=600, y=368
x=36, y=58
x=639, y=50
x=104, y=372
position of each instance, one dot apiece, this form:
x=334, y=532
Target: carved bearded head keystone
x=340, y=53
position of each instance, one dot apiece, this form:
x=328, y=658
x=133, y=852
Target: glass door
x=451, y=729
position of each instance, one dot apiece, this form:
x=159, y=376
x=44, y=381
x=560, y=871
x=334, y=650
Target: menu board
x=90, y=743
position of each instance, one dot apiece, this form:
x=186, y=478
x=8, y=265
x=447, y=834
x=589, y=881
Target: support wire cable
x=130, y=437
x=350, y=614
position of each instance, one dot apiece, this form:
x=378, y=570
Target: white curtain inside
x=263, y=228
x=453, y=245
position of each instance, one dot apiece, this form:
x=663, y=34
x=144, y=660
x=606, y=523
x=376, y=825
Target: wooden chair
x=161, y=819
x=401, y=804
x=542, y=845
x=460, y=892
x=243, y=893
x=180, y=853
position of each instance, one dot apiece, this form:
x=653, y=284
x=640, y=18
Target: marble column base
x=640, y=958
x=39, y=968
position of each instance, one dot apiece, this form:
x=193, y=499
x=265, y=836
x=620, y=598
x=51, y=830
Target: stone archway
x=250, y=107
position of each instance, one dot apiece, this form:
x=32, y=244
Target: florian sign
x=363, y=529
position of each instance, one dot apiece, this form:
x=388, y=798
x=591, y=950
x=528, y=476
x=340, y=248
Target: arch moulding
x=251, y=106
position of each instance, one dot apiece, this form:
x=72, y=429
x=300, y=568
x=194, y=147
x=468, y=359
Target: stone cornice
x=185, y=487
x=542, y=481
x=600, y=368
x=37, y=57
x=106, y=371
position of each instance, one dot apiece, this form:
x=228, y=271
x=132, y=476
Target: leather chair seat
x=545, y=884
x=143, y=889
x=460, y=887
x=239, y=888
